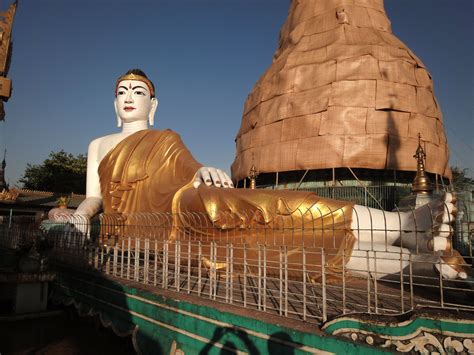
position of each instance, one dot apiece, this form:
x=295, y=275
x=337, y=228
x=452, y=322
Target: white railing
x=272, y=267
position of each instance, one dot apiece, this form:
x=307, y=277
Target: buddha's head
x=135, y=98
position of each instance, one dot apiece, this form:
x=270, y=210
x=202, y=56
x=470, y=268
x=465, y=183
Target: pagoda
x=344, y=99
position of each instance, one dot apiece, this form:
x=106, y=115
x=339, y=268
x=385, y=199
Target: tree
x=461, y=181
x=61, y=172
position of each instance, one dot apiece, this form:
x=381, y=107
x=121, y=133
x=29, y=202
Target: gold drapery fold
x=152, y=171
x=144, y=171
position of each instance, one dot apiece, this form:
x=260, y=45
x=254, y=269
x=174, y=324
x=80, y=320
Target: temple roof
x=342, y=91
x=39, y=200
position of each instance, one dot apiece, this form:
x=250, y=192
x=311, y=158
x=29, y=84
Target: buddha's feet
x=451, y=265
x=429, y=228
x=441, y=215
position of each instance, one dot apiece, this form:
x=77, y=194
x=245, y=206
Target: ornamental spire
x=3, y=184
x=421, y=183
x=253, y=174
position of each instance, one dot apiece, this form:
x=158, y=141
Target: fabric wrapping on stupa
x=342, y=91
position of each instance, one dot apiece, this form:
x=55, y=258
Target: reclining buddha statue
x=141, y=170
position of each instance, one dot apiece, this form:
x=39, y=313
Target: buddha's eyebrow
x=123, y=87
x=141, y=87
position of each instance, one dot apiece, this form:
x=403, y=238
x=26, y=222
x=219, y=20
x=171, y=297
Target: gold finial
x=421, y=183
x=253, y=176
x=63, y=201
x=9, y=195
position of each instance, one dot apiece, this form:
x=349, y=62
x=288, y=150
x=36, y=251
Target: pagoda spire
x=421, y=183
x=3, y=184
x=253, y=174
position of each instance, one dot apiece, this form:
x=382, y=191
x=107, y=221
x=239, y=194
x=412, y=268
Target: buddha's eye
x=120, y=92
x=140, y=93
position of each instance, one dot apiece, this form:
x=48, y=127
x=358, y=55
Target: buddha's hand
x=212, y=176
x=75, y=229
x=60, y=215
x=81, y=219
x=80, y=224
x=75, y=233
x=73, y=223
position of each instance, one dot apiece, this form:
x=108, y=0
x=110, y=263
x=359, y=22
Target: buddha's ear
x=119, y=120
x=151, y=115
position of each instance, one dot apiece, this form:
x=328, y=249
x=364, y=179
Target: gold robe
x=152, y=171
x=144, y=171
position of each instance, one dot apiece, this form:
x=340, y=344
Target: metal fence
x=386, y=196
x=292, y=269
x=19, y=232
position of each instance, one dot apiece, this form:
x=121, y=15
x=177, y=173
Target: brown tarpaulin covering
x=342, y=91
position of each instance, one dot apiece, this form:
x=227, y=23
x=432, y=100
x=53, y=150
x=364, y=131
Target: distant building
x=31, y=203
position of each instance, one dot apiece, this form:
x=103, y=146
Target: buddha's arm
x=204, y=174
x=93, y=202
x=89, y=207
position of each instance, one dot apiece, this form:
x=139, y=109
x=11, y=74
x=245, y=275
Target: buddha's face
x=134, y=102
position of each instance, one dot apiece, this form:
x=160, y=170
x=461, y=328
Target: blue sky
x=204, y=57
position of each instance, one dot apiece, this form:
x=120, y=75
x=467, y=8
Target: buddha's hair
x=137, y=71
x=140, y=72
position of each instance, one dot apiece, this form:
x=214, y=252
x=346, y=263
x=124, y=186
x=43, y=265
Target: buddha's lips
x=128, y=108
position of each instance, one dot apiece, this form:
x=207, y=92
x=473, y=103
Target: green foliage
x=61, y=172
x=461, y=181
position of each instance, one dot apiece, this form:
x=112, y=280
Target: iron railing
x=386, y=196
x=266, y=266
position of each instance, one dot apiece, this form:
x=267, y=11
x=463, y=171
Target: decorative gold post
x=421, y=183
x=253, y=177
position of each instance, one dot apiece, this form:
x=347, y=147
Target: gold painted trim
x=405, y=337
x=401, y=324
x=138, y=78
